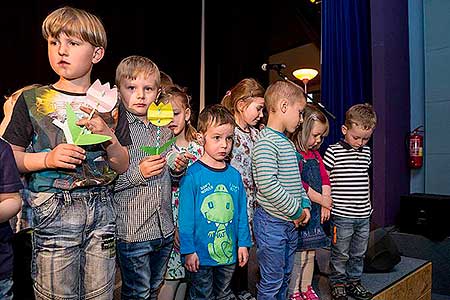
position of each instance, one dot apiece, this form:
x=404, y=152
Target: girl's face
x=180, y=115
x=251, y=114
x=315, y=136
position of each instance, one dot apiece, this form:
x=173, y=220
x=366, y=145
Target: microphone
x=276, y=67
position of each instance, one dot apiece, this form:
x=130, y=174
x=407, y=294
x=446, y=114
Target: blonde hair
x=169, y=94
x=244, y=90
x=282, y=89
x=301, y=135
x=133, y=66
x=8, y=106
x=214, y=115
x=75, y=22
x=362, y=115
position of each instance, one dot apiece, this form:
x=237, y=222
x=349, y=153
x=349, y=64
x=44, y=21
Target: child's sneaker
x=310, y=294
x=296, y=296
x=338, y=292
x=358, y=291
x=245, y=295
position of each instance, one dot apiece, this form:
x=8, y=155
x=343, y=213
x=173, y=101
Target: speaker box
x=425, y=214
x=382, y=253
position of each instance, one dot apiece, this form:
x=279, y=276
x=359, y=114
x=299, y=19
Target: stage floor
x=375, y=282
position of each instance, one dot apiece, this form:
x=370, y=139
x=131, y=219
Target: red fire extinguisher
x=416, y=148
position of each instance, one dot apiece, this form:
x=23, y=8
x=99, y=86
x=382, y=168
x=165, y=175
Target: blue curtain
x=346, y=61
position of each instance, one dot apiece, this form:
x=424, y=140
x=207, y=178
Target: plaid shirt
x=143, y=206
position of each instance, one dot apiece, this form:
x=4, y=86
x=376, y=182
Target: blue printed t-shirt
x=9, y=183
x=32, y=127
x=213, y=214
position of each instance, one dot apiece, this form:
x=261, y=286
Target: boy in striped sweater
x=282, y=202
x=347, y=163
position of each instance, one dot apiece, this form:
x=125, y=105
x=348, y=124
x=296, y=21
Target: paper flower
x=161, y=114
x=76, y=134
x=101, y=97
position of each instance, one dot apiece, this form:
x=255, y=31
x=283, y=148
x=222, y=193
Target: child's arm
x=118, y=157
x=10, y=204
x=62, y=156
x=186, y=223
x=265, y=173
x=244, y=239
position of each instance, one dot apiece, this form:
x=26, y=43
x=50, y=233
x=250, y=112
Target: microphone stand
x=320, y=105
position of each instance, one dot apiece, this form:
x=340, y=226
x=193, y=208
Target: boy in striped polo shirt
x=282, y=202
x=347, y=163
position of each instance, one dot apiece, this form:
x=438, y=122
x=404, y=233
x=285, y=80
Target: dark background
x=240, y=36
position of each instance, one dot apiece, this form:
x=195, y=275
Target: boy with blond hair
x=282, y=202
x=213, y=223
x=71, y=195
x=347, y=163
x=143, y=194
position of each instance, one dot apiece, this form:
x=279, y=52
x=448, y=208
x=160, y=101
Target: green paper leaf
x=158, y=150
x=149, y=150
x=74, y=129
x=166, y=145
x=91, y=139
x=79, y=135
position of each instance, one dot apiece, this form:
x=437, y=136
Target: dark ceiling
x=240, y=37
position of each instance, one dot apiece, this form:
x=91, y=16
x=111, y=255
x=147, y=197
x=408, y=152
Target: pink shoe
x=296, y=296
x=310, y=294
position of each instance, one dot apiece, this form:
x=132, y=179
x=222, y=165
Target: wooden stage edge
x=414, y=286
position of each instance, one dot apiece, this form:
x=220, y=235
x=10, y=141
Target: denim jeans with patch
x=74, y=244
x=211, y=282
x=276, y=242
x=142, y=266
x=348, y=247
x=6, y=288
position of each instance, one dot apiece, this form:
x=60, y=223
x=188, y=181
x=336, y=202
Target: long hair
x=301, y=135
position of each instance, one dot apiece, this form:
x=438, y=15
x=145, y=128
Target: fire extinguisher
x=416, y=148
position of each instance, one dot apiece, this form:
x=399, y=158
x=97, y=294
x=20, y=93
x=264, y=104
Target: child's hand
x=303, y=219
x=324, y=214
x=65, y=156
x=181, y=161
x=192, y=263
x=326, y=202
x=242, y=256
x=152, y=165
x=96, y=124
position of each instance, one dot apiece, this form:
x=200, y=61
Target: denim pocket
x=45, y=208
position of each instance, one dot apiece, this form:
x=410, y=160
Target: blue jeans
x=210, y=283
x=142, y=266
x=74, y=245
x=348, y=247
x=6, y=288
x=276, y=242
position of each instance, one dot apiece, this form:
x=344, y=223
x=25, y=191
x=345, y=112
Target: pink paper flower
x=101, y=97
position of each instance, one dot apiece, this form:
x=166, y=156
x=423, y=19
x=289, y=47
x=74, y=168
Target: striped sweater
x=275, y=170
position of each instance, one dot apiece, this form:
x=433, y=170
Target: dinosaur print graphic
x=219, y=209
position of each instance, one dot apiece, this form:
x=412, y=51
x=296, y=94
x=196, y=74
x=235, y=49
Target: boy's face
x=217, y=143
x=137, y=94
x=72, y=58
x=294, y=114
x=356, y=136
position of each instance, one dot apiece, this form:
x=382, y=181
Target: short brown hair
x=75, y=22
x=133, y=66
x=362, y=115
x=282, y=89
x=214, y=115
